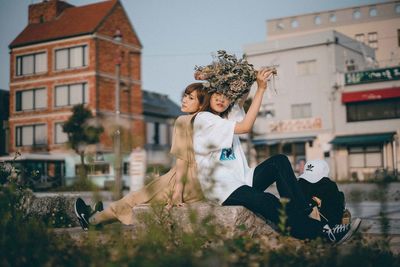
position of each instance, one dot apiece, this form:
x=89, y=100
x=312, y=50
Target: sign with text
x=368, y=76
x=137, y=170
x=296, y=125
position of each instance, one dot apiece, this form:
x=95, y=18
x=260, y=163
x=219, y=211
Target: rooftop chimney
x=46, y=10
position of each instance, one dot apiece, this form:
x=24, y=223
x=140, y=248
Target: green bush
x=26, y=241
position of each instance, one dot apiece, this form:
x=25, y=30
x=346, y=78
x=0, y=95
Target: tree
x=82, y=132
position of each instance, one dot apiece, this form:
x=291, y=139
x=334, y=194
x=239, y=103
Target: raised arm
x=247, y=123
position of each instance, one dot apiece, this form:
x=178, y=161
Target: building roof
x=73, y=21
x=308, y=40
x=160, y=105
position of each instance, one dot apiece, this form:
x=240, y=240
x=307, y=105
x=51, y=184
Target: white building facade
x=307, y=113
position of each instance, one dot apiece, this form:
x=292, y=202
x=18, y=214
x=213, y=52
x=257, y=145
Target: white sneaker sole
x=355, y=224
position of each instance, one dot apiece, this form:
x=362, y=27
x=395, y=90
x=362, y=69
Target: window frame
x=19, y=139
x=55, y=133
x=19, y=64
x=317, y=20
x=356, y=14
x=85, y=56
x=373, y=39
x=301, y=106
x=303, y=63
x=85, y=87
x=364, y=151
x=19, y=103
x=373, y=12
x=363, y=105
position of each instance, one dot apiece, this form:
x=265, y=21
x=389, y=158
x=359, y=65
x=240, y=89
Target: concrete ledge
x=231, y=220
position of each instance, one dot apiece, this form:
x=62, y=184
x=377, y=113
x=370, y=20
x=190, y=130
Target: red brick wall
x=101, y=89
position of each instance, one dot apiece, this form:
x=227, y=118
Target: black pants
x=277, y=169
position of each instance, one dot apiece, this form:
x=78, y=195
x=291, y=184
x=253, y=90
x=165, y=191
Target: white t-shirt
x=220, y=159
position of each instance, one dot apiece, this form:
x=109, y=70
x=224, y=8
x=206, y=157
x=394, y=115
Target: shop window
x=365, y=156
x=95, y=169
x=373, y=110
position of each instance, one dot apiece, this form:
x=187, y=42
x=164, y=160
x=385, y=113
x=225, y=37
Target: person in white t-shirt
x=225, y=176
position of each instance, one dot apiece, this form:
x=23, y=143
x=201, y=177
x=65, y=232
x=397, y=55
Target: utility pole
x=117, y=134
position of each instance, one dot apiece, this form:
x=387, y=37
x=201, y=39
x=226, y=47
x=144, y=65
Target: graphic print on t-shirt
x=227, y=154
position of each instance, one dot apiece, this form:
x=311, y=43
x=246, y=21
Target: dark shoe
x=98, y=207
x=83, y=212
x=341, y=232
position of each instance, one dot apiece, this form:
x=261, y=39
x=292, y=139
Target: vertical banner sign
x=137, y=170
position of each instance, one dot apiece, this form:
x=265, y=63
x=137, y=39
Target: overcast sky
x=178, y=34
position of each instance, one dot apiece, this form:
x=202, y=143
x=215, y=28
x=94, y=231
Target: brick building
x=67, y=55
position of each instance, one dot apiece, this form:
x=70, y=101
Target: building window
x=356, y=14
x=294, y=23
x=373, y=12
x=373, y=39
x=397, y=8
x=157, y=133
x=301, y=111
x=59, y=136
x=97, y=168
x=365, y=156
x=125, y=169
x=306, y=67
x=373, y=110
x=350, y=65
x=317, y=20
x=31, y=135
x=360, y=37
x=72, y=57
x=280, y=25
x=332, y=17
x=71, y=94
x=30, y=99
x=31, y=64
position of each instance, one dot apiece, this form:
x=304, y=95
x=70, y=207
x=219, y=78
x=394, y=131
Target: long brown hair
x=206, y=106
x=200, y=90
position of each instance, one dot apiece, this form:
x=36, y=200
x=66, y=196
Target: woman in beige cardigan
x=179, y=185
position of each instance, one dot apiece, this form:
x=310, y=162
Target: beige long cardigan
x=162, y=187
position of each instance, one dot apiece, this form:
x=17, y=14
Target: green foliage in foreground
x=26, y=241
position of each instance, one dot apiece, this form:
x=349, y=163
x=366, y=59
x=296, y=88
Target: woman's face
x=219, y=103
x=190, y=103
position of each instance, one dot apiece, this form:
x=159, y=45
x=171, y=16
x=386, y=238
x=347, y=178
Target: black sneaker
x=98, y=207
x=341, y=232
x=83, y=212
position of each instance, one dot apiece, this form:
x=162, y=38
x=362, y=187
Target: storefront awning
x=283, y=140
x=362, y=139
x=369, y=95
